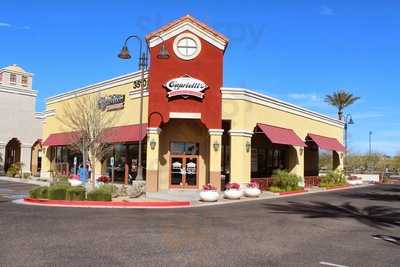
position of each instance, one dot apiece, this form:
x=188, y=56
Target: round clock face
x=187, y=46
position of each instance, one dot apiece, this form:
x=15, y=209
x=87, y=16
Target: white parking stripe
x=331, y=264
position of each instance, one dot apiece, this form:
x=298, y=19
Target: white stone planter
x=252, y=192
x=233, y=193
x=74, y=182
x=209, y=196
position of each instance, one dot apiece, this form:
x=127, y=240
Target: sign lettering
x=185, y=86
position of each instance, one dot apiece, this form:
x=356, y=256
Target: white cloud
x=297, y=96
x=4, y=24
x=8, y=25
x=326, y=11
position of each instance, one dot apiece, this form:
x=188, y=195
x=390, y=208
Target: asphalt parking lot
x=357, y=227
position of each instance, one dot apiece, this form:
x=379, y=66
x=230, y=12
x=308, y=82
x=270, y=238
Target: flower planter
x=252, y=192
x=74, y=182
x=233, y=193
x=209, y=195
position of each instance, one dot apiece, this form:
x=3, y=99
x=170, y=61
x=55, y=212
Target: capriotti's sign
x=185, y=86
x=112, y=102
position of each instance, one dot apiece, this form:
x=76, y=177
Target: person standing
x=83, y=174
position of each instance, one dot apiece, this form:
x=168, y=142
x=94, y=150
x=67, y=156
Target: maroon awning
x=279, y=135
x=62, y=139
x=327, y=143
x=126, y=133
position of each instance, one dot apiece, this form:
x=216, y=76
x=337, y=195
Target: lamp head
x=163, y=53
x=124, y=53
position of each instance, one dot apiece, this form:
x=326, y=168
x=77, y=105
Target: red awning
x=279, y=135
x=62, y=139
x=327, y=143
x=123, y=134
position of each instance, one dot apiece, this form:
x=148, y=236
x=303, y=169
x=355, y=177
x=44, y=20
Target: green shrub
x=99, y=194
x=14, y=170
x=75, y=193
x=58, y=191
x=332, y=179
x=39, y=192
x=275, y=189
x=26, y=175
x=285, y=181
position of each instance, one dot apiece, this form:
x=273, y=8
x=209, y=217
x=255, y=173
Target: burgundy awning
x=126, y=133
x=279, y=135
x=62, y=139
x=327, y=143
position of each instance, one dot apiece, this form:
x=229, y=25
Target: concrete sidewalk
x=25, y=181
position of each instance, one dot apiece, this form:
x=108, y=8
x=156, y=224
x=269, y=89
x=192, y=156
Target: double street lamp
x=348, y=120
x=143, y=64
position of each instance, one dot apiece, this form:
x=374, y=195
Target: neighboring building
x=20, y=124
x=197, y=130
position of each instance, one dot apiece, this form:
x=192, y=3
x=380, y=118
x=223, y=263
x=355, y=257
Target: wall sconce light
x=216, y=145
x=153, y=144
x=341, y=155
x=248, y=146
x=301, y=150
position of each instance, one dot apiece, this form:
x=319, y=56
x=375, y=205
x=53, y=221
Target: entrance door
x=184, y=172
x=13, y=153
x=184, y=166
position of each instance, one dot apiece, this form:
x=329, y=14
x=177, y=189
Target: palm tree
x=340, y=100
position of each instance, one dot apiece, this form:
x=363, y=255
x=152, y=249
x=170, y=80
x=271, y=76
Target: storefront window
x=264, y=161
x=180, y=148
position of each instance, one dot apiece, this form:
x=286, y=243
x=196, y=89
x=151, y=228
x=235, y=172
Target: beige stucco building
x=195, y=130
x=20, y=124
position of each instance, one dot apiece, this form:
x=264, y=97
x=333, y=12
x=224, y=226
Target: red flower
x=104, y=179
x=232, y=186
x=253, y=185
x=209, y=187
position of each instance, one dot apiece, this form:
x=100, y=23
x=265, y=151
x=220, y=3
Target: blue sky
x=298, y=51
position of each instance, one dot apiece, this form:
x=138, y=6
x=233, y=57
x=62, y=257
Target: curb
x=115, y=204
x=293, y=192
x=338, y=187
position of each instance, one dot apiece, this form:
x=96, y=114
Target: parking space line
x=332, y=264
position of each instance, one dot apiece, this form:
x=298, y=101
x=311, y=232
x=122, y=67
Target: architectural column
x=240, y=156
x=46, y=162
x=2, y=157
x=215, y=156
x=26, y=155
x=296, y=162
x=152, y=159
x=337, y=161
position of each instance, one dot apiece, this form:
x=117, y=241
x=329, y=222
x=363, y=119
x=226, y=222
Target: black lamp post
x=348, y=120
x=143, y=64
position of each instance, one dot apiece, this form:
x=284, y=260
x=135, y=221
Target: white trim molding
x=257, y=98
x=49, y=113
x=243, y=133
x=184, y=115
x=17, y=91
x=97, y=87
x=136, y=93
x=191, y=27
x=217, y=132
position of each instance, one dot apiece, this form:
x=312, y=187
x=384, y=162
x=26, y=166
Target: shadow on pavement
x=388, y=238
x=374, y=216
x=374, y=196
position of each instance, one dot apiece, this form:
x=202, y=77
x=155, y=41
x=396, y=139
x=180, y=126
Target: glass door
x=184, y=165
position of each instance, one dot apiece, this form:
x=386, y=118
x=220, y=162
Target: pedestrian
x=83, y=174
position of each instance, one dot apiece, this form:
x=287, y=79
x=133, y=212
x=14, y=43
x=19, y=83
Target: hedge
x=39, y=192
x=99, y=194
x=58, y=191
x=75, y=193
x=285, y=181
